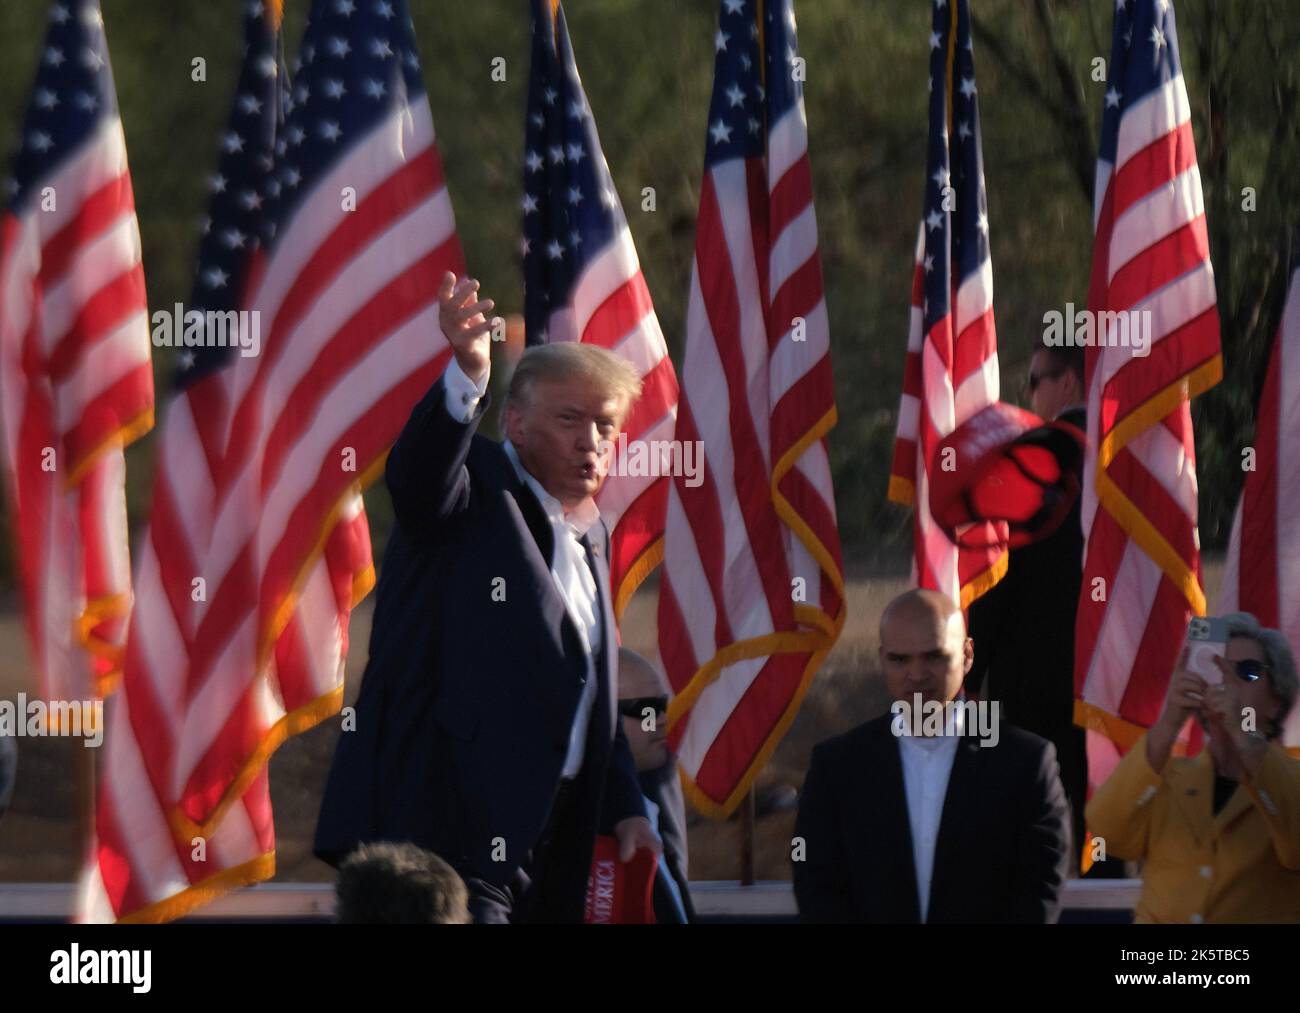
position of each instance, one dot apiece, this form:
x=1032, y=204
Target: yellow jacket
x=1240, y=866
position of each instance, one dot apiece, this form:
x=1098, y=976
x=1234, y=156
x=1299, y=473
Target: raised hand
x=1186, y=694
x=462, y=317
x=1226, y=721
x=1186, y=697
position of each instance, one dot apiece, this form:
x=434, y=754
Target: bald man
x=643, y=697
x=937, y=811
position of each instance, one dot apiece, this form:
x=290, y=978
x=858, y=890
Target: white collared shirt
x=927, y=764
x=573, y=577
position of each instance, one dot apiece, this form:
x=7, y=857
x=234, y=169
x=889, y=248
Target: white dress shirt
x=927, y=764
x=569, y=569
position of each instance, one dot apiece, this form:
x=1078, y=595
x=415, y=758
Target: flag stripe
x=1151, y=254
x=745, y=616
x=259, y=545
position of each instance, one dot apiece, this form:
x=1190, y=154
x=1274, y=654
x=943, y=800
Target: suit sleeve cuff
x=463, y=394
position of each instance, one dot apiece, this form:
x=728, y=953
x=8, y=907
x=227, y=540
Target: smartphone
x=1207, y=638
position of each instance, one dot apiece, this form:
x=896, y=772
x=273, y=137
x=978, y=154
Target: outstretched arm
x=425, y=472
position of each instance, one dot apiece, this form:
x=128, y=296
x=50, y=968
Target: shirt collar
x=580, y=519
x=930, y=743
x=954, y=725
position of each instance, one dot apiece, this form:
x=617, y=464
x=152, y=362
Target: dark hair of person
x=386, y=883
x=1066, y=358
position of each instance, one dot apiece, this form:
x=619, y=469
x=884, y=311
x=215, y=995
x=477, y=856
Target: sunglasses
x=1036, y=378
x=636, y=706
x=1250, y=670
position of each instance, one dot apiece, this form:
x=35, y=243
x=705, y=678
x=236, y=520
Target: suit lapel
x=607, y=666
x=886, y=816
x=553, y=612
x=596, y=545
x=1232, y=810
x=1236, y=806
x=534, y=516
x=1192, y=789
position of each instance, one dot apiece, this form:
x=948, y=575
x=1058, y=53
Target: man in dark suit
x=1023, y=627
x=486, y=728
x=898, y=824
x=643, y=698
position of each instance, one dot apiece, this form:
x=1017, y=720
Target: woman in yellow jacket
x=1219, y=834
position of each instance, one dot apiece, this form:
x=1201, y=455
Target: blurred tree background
x=647, y=66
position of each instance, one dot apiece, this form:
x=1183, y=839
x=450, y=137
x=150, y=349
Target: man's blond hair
x=604, y=370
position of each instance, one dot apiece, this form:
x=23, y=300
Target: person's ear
x=968, y=654
x=516, y=431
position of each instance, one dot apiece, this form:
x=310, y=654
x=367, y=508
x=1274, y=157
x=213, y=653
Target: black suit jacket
x=1023, y=629
x=1002, y=851
x=475, y=673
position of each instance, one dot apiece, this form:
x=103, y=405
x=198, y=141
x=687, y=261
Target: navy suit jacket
x=475, y=671
x=1002, y=853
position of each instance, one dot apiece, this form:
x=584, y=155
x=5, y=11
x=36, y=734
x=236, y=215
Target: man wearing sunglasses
x=1055, y=383
x=1023, y=628
x=1219, y=832
x=643, y=697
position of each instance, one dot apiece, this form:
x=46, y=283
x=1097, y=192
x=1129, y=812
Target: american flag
x=76, y=384
x=583, y=282
x=261, y=500
x=752, y=593
x=1142, y=561
x=1261, y=573
x=951, y=370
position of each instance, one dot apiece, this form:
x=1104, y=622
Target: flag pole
x=86, y=786
x=747, y=839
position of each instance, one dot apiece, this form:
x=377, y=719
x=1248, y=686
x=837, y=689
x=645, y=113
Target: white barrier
x=312, y=901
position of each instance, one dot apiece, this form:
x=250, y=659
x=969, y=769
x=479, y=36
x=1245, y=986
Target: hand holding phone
x=1207, y=638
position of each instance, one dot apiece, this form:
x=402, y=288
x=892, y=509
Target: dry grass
x=39, y=837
